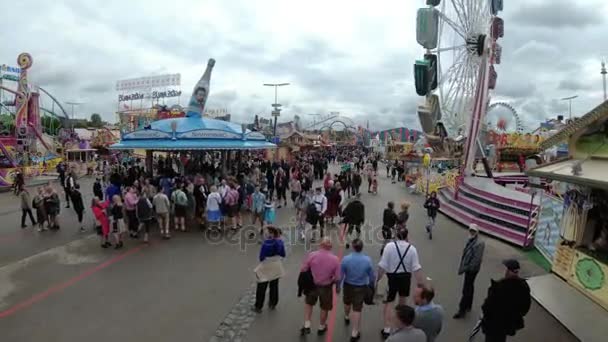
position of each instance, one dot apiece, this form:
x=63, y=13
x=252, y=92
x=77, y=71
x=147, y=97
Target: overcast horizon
x=339, y=56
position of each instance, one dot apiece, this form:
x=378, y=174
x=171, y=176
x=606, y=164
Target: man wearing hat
x=507, y=303
x=470, y=263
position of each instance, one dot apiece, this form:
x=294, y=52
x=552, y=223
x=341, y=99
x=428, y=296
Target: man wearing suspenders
x=399, y=260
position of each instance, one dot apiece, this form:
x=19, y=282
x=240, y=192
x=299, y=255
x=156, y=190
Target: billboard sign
x=168, y=80
x=4, y=69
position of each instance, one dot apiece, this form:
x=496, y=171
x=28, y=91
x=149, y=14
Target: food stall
x=580, y=255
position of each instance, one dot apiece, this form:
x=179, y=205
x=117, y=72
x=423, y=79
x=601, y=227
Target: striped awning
x=597, y=113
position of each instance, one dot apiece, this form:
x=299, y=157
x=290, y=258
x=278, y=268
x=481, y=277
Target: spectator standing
x=429, y=316
x=214, y=214
x=145, y=216
x=317, y=214
x=68, y=187
x=470, y=263
x=403, y=215
x=38, y=204
x=118, y=221
x=180, y=206
x=507, y=303
x=98, y=189
x=404, y=331
x=99, y=212
x=270, y=269
x=357, y=279
x=131, y=200
x=325, y=269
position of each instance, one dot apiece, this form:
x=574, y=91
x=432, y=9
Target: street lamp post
x=569, y=99
x=276, y=111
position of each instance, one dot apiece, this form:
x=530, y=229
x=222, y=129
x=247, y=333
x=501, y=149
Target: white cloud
x=348, y=56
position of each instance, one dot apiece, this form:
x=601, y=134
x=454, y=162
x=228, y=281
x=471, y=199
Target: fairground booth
x=193, y=132
x=572, y=231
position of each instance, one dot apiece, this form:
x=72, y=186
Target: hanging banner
x=168, y=80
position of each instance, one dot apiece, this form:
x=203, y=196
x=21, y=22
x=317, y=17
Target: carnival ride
x=28, y=142
x=456, y=76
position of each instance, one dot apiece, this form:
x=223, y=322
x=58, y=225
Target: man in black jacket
x=354, y=216
x=507, y=303
x=470, y=263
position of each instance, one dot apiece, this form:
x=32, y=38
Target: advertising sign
x=9, y=69
x=167, y=80
x=549, y=222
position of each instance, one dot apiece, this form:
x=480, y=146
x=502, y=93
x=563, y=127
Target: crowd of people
x=201, y=190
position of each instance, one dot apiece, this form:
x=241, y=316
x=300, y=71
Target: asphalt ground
x=61, y=286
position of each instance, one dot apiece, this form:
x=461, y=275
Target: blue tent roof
x=193, y=133
x=192, y=144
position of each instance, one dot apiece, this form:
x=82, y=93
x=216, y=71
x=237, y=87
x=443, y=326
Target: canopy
x=193, y=133
x=592, y=172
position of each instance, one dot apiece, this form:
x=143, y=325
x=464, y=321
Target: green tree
x=96, y=120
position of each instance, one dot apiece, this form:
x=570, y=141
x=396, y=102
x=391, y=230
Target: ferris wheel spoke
x=455, y=27
x=450, y=48
x=454, y=65
x=462, y=14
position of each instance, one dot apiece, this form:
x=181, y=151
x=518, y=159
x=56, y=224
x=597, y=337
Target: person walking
x=389, y=220
x=270, y=269
x=429, y=316
x=231, y=200
x=161, y=207
x=432, y=207
x=325, y=269
x=145, y=216
x=403, y=215
x=180, y=206
x=52, y=206
x=78, y=205
x=296, y=188
x=354, y=216
x=317, y=213
x=302, y=203
x=118, y=221
x=404, y=330
x=507, y=303
x=357, y=279
x=98, y=189
x=470, y=263
x=26, y=207
x=68, y=187
x=399, y=261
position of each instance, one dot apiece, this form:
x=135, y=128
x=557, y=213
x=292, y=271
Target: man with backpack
x=180, y=205
x=354, y=216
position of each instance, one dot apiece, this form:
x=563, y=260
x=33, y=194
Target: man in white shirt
x=399, y=260
x=320, y=202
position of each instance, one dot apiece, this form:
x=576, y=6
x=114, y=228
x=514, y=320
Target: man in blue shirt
x=357, y=279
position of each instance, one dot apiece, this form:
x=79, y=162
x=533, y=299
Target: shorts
x=398, y=283
x=355, y=296
x=233, y=210
x=325, y=296
x=180, y=210
x=118, y=226
x=214, y=215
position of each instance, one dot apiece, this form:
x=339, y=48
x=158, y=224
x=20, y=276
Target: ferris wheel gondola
x=459, y=37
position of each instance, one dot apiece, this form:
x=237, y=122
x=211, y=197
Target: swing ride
x=31, y=120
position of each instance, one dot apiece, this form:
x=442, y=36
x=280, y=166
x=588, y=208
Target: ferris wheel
x=457, y=70
x=501, y=116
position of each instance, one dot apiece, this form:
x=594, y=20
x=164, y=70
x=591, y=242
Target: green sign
x=10, y=77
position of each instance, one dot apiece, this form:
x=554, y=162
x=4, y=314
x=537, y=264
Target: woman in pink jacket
x=99, y=211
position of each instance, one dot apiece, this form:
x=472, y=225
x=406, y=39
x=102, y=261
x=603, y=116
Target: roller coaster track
x=65, y=114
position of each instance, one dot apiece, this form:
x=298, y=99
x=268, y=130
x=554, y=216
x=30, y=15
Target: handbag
x=269, y=269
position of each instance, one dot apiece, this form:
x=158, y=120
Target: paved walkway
x=62, y=287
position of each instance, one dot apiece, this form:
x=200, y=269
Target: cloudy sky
x=353, y=57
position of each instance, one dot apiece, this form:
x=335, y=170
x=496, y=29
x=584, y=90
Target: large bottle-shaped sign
x=196, y=106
